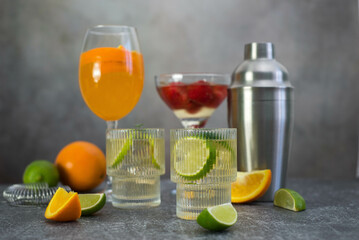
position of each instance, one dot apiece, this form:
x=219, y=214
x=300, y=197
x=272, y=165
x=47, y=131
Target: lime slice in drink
x=154, y=161
x=152, y=150
x=289, y=199
x=154, y=153
x=123, y=152
x=216, y=136
x=194, y=157
x=221, y=145
x=218, y=218
x=91, y=203
x=147, y=143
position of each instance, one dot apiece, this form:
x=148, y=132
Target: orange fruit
x=250, y=186
x=64, y=206
x=82, y=165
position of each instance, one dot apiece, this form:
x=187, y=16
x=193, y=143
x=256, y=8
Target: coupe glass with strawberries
x=193, y=97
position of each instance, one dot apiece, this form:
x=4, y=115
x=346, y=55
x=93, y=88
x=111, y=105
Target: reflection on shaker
x=260, y=106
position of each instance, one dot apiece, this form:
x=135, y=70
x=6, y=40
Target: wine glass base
x=194, y=122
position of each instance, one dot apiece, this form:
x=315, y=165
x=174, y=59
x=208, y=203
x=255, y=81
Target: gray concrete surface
x=332, y=213
x=41, y=108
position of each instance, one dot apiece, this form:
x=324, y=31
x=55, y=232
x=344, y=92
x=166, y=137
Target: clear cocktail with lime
x=203, y=164
x=135, y=161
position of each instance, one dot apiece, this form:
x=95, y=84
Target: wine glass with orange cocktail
x=111, y=72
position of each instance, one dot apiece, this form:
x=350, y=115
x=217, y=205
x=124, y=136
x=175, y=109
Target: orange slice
x=250, y=186
x=64, y=206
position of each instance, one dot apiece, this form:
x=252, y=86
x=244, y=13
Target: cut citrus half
x=194, y=157
x=250, y=186
x=64, y=206
x=91, y=203
x=289, y=199
x=218, y=218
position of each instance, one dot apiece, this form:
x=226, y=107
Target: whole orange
x=82, y=165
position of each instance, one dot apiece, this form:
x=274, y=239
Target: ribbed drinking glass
x=135, y=160
x=203, y=164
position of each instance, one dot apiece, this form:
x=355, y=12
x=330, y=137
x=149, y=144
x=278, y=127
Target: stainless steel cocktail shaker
x=260, y=106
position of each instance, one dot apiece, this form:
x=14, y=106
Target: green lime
x=289, y=199
x=91, y=203
x=218, y=218
x=41, y=171
x=194, y=157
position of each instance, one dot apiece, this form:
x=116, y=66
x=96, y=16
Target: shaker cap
x=258, y=50
x=260, y=69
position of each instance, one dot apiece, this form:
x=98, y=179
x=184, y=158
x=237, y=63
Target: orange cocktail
x=111, y=81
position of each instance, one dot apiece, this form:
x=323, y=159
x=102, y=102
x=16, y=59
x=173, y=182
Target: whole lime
x=41, y=171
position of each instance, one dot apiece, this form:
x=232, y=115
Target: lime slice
x=153, y=154
x=194, y=157
x=289, y=199
x=91, y=203
x=153, y=151
x=216, y=136
x=155, y=163
x=127, y=146
x=123, y=152
x=218, y=218
x=221, y=144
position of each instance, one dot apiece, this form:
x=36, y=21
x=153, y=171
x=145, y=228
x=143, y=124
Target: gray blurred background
x=41, y=109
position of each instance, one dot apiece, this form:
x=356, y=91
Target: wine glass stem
x=112, y=125
x=108, y=191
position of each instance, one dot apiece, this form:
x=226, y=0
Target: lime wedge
x=123, y=152
x=194, y=157
x=91, y=203
x=218, y=218
x=289, y=199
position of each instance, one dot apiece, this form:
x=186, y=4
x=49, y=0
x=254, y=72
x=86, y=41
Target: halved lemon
x=250, y=186
x=64, y=206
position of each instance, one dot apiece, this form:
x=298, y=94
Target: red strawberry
x=174, y=95
x=193, y=107
x=200, y=92
x=220, y=93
